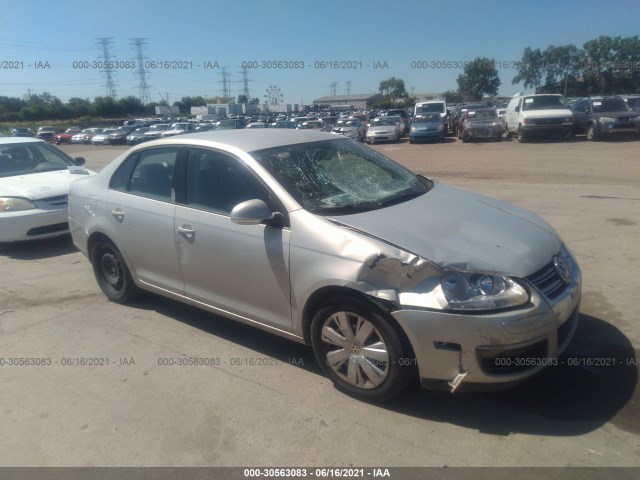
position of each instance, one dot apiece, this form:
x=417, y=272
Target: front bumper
x=426, y=135
x=547, y=130
x=493, y=349
x=381, y=137
x=484, y=132
x=33, y=224
x=619, y=128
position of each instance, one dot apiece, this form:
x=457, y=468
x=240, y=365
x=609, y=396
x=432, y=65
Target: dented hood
x=462, y=230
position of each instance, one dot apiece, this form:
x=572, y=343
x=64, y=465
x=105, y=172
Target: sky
x=352, y=44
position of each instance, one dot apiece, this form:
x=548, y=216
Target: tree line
x=603, y=66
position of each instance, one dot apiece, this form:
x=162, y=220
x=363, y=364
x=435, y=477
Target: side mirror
x=517, y=109
x=80, y=160
x=255, y=212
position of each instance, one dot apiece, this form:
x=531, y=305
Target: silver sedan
x=315, y=237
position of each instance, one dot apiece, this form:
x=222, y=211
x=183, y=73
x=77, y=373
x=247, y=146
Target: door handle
x=118, y=214
x=187, y=231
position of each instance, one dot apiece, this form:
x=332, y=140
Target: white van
x=541, y=115
x=431, y=106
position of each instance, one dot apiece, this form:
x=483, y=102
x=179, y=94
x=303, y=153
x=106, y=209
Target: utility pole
x=348, y=82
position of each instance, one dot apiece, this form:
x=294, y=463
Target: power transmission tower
x=226, y=91
x=105, y=43
x=348, y=82
x=143, y=87
x=245, y=84
x=333, y=88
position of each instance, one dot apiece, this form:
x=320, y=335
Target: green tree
x=531, y=69
x=562, y=66
x=453, y=96
x=611, y=65
x=480, y=78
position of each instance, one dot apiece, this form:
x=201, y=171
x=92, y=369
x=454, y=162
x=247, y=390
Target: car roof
x=250, y=139
x=9, y=140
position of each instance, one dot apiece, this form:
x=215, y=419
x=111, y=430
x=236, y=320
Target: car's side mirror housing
x=256, y=212
x=80, y=160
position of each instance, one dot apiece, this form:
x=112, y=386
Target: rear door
x=141, y=206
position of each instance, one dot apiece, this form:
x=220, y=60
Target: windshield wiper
x=344, y=209
x=401, y=197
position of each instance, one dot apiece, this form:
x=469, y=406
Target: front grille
x=53, y=202
x=57, y=227
x=547, y=121
x=548, y=281
x=494, y=361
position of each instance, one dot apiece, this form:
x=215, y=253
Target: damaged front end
x=467, y=329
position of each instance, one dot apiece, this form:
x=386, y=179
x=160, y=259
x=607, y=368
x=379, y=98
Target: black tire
x=112, y=273
x=592, y=132
x=375, y=377
x=465, y=138
x=411, y=140
x=507, y=132
x=522, y=138
x=499, y=138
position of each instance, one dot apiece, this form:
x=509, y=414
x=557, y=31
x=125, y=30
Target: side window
x=153, y=174
x=120, y=179
x=218, y=182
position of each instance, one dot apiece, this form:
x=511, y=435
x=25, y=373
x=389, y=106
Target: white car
x=85, y=135
x=34, y=186
x=177, y=129
x=103, y=137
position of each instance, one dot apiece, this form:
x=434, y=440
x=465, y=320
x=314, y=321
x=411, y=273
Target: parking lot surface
x=101, y=384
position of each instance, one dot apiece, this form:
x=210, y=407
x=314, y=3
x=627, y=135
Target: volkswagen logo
x=562, y=267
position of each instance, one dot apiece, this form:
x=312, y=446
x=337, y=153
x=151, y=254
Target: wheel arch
x=323, y=295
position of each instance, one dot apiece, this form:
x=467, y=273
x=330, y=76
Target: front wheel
x=592, y=133
x=112, y=273
x=360, y=351
x=521, y=136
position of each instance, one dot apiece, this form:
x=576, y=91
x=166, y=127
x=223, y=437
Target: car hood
x=382, y=128
x=462, y=230
x=484, y=121
x=619, y=114
x=37, y=186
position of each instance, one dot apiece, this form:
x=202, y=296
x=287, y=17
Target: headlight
x=14, y=204
x=607, y=120
x=473, y=291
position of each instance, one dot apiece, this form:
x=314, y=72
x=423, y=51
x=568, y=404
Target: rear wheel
x=112, y=273
x=360, y=351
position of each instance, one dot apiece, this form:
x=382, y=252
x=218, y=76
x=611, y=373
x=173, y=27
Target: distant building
x=165, y=111
x=359, y=101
